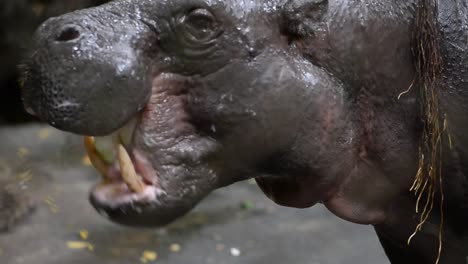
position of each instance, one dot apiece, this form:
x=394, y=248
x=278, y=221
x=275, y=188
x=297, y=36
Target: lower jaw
x=117, y=194
x=148, y=210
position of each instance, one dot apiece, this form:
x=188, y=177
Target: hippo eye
x=200, y=24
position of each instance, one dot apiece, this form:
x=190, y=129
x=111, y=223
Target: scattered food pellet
x=220, y=247
x=84, y=234
x=235, y=252
x=23, y=152
x=25, y=176
x=80, y=245
x=247, y=205
x=148, y=256
x=50, y=201
x=86, y=161
x=175, y=248
x=44, y=133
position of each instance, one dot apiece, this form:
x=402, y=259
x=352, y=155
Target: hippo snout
x=77, y=65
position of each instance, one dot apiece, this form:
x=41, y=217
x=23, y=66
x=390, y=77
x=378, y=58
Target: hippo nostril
x=68, y=34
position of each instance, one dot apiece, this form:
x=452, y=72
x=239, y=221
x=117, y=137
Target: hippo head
x=194, y=95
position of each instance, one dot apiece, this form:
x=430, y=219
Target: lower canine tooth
x=129, y=175
x=94, y=157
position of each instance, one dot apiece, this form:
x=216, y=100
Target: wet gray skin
x=300, y=95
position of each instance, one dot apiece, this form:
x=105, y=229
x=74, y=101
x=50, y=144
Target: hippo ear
x=301, y=18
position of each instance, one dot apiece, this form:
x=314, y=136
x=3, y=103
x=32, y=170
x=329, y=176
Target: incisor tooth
x=129, y=175
x=94, y=157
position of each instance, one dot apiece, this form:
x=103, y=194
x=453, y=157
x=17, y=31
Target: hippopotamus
x=357, y=105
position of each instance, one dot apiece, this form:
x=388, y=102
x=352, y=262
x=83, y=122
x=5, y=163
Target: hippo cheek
x=362, y=195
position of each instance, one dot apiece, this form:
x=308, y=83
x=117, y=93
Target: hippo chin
x=302, y=96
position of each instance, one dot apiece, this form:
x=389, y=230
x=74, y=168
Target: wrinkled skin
x=300, y=95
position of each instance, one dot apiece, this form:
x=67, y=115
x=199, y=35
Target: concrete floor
x=48, y=165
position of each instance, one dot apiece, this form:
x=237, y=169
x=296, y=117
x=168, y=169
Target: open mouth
x=127, y=175
x=156, y=167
